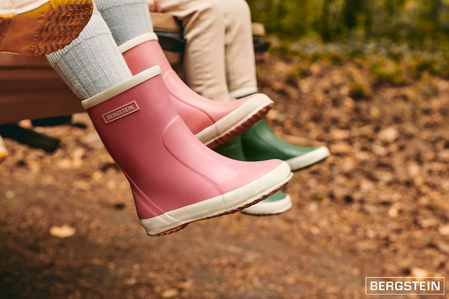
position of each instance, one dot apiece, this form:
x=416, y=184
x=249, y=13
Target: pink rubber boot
x=212, y=122
x=175, y=179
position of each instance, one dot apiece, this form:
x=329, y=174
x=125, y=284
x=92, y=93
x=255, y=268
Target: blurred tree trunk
x=351, y=11
x=325, y=16
x=368, y=22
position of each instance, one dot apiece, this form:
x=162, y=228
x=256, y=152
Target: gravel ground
x=377, y=207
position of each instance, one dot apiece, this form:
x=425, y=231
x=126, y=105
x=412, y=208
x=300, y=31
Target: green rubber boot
x=277, y=203
x=259, y=143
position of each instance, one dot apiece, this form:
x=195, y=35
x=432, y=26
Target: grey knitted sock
x=126, y=19
x=92, y=63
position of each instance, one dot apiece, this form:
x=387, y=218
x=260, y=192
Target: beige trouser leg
x=204, y=27
x=239, y=50
x=219, y=50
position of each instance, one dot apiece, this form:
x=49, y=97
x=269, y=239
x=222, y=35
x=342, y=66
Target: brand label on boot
x=120, y=112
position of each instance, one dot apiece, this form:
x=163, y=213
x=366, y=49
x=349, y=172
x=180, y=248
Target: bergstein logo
x=418, y=286
x=120, y=112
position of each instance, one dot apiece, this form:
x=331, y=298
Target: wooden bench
x=30, y=89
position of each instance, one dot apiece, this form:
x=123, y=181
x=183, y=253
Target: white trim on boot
x=308, y=159
x=270, y=208
x=234, y=119
x=122, y=87
x=137, y=41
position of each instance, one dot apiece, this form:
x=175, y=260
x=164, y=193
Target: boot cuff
x=137, y=41
x=122, y=87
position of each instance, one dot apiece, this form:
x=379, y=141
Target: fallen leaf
x=444, y=230
x=341, y=148
x=62, y=232
x=418, y=272
x=170, y=293
x=388, y=135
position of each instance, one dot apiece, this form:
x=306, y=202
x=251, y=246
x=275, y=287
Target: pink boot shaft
x=174, y=178
x=211, y=121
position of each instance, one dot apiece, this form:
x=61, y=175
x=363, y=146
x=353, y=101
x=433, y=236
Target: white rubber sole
x=234, y=119
x=269, y=208
x=219, y=205
x=308, y=159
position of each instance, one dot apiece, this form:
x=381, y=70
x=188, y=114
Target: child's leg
x=92, y=63
x=126, y=19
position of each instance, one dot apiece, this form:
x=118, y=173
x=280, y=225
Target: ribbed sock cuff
x=105, y=4
x=92, y=63
x=95, y=27
x=126, y=19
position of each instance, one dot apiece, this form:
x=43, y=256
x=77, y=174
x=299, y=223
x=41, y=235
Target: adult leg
x=204, y=55
x=239, y=50
x=211, y=69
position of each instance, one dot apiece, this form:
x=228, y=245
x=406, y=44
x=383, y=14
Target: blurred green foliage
x=330, y=20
